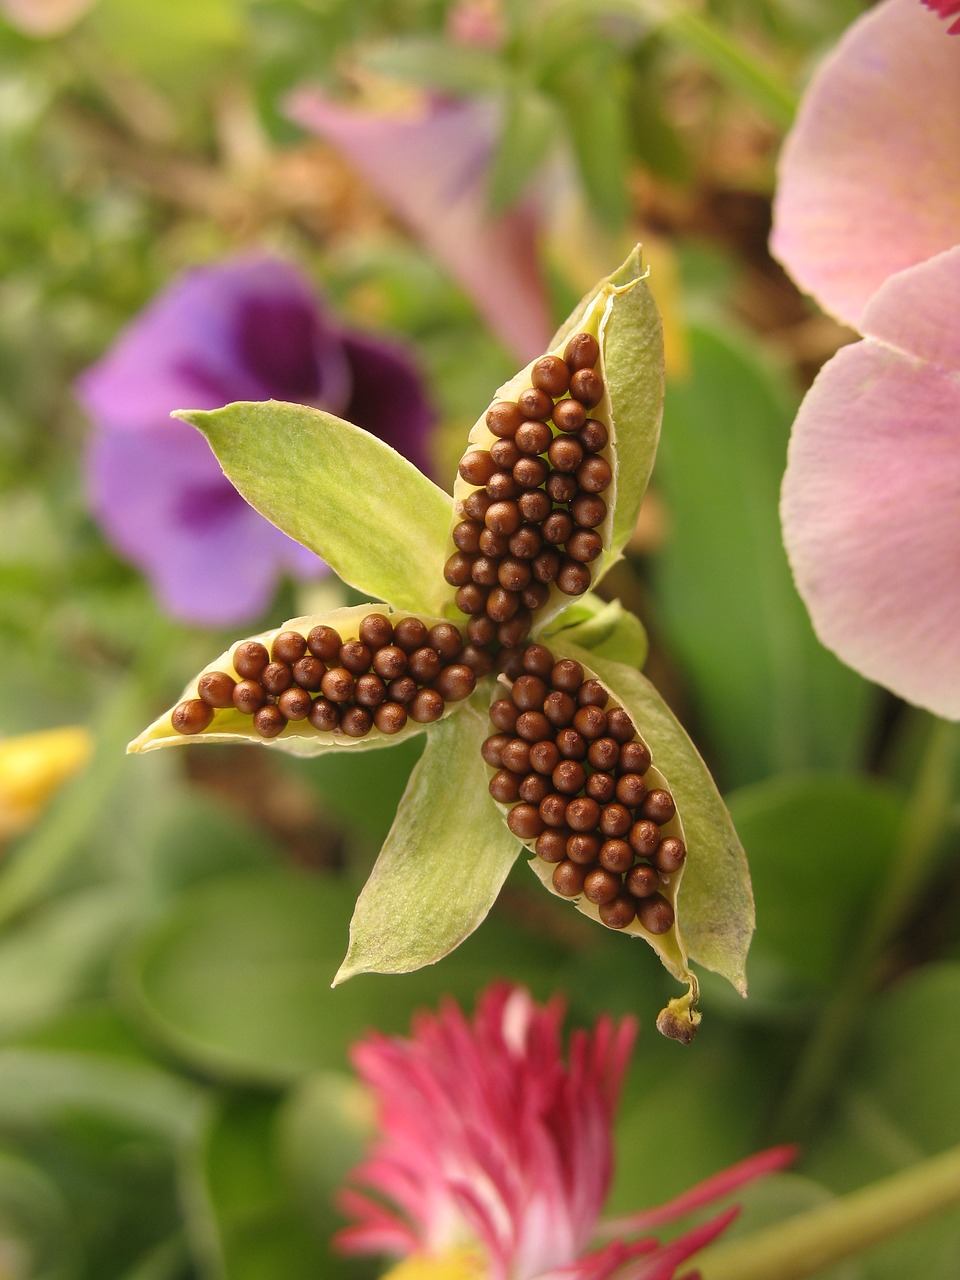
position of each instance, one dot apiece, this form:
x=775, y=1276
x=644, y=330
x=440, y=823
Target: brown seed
x=592, y=694
x=308, y=672
x=594, y=474
x=615, y=819
x=583, y=814
x=561, y=486
x=249, y=696
x=501, y=604
x=631, y=789
x=324, y=643
x=586, y=385
x=410, y=634
x=567, y=675
x=475, y=505
x=644, y=836
x=477, y=466
x=526, y=542
x=546, y=565
x=534, y=403
x=530, y=473
x=593, y=435
x=269, y=721
x=634, y=756
x=571, y=745
x=502, y=487
x=455, y=682
x=402, y=690
x=503, y=517
x=390, y=717
x=216, y=689
x=655, y=914
x=426, y=707
x=568, y=879
x=551, y=374
x=510, y=662
x=494, y=544
x=528, y=691
x=544, y=756
x=424, y=664
x=601, y=886
x=589, y=510
x=604, y=753
x=551, y=844
x=288, y=646
x=446, y=639
x=471, y=598
x=491, y=748
x=337, y=684
x=370, y=690
x=583, y=847
x=659, y=806
x=619, y=913
x=376, y=630
x=503, y=418
x=533, y=726
x=670, y=855
x=324, y=715
x=616, y=856
x=466, y=536
x=538, y=661
x=582, y=351
x=295, y=703
x=524, y=821
x=565, y=454
x=591, y=722
x=642, y=880
x=559, y=708
x=390, y=662
x=513, y=574
x=512, y=633
x=456, y=570
x=504, y=714
x=568, y=777
x=356, y=722
x=249, y=658
x=192, y=716
x=601, y=787
x=553, y=810
x=504, y=786
x=534, y=788
x=620, y=726
x=535, y=596
x=557, y=527
x=481, y=630
x=276, y=676
x=534, y=506
x=568, y=415
x=355, y=656
x=584, y=545
x=573, y=578
x=532, y=438
x=505, y=454
x=515, y=756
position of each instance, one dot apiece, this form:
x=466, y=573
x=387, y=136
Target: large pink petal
x=872, y=491
x=431, y=168
x=869, y=180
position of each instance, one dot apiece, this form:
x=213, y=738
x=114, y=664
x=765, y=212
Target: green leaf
x=597, y=128
x=435, y=63
x=526, y=141
x=605, y=628
x=443, y=863
x=361, y=506
x=716, y=904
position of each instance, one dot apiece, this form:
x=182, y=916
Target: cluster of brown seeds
x=571, y=767
x=533, y=518
x=389, y=674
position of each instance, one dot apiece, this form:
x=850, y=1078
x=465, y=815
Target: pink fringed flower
x=867, y=219
x=495, y=1153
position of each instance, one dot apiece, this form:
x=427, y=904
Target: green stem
x=926, y=817
x=805, y=1244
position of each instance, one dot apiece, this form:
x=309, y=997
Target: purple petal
x=872, y=491
x=432, y=168
x=388, y=397
x=869, y=181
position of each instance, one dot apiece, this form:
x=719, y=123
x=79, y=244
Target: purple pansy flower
x=245, y=329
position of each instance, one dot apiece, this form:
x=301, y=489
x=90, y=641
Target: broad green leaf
x=35, y=1226
x=443, y=863
x=299, y=737
x=716, y=905
x=361, y=506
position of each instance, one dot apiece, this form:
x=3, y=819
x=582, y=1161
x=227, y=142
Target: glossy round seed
x=593, y=435
x=455, y=682
x=582, y=351
x=390, y=662
x=410, y=634
x=514, y=575
x=276, y=676
x=402, y=690
x=249, y=658
x=601, y=886
x=503, y=517
x=356, y=722
x=586, y=385
x=616, y=855
x=551, y=844
x=533, y=437
x=535, y=596
x=446, y=639
x=390, y=717
x=615, y=819
x=546, y=565
x=337, y=684
x=216, y=689
x=670, y=855
x=424, y=664
x=534, y=506
x=642, y=880
x=634, y=756
x=594, y=474
x=502, y=486
x=474, y=506
x=426, y=707
x=588, y=510
x=515, y=756
x=524, y=821
x=568, y=777
x=568, y=879
x=483, y=571
x=526, y=543
x=501, y=604
x=481, y=630
x=492, y=747
x=544, y=756
x=584, y=545
x=249, y=696
x=631, y=789
x=573, y=579
x=644, y=836
x=534, y=788
x=583, y=814
x=466, y=536
x=530, y=473
x=493, y=544
x=528, y=692
x=568, y=415
x=561, y=486
x=583, y=847
x=592, y=694
x=295, y=703
x=480, y=661
x=370, y=690
x=457, y=568
x=559, y=708
x=503, y=712
x=604, y=753
x=355, y=656
x=503, y=418
x=551, y=374
x=553, y=810
x=192, y=716
x=504, y=786
x=308, y=672
x=601, y=787
x=376, y=630
x=565, y=454
x=510, y=663
x=591, y=722
x=655, y=914
x=533, y=726
x=659, y=806
x=620, y=727
x=567, y=675
x=619, y=913
x=505, y=454
x=477, y=466
x=471, y=598
x=534, y=403
x=324, y=643
x=570, y=744
x=557, y=527
x=269, y=722
x=324, y=715
x=288, y=646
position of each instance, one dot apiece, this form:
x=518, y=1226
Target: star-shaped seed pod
x=485, y=635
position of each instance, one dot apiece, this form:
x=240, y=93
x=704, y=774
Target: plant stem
x=925, y=817
x=805, y=1244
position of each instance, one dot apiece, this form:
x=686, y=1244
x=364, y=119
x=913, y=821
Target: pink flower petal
x=872, y=491
x=869, y=179
x=431, y=168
